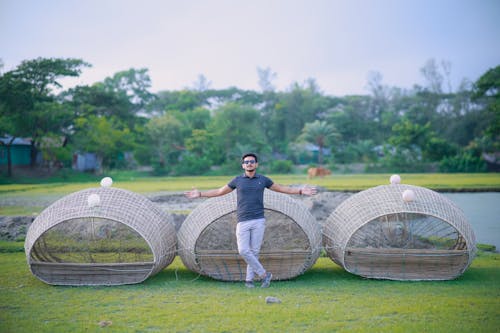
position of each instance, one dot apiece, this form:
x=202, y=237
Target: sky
x=338, y=43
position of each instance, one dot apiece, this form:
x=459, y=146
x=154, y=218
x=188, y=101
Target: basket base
x=230, y=266
x=91, y=274
x=405, y=264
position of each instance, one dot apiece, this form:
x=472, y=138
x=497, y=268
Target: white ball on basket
x=395, y=179
x=408, y=195
x=106, y=182
x=93, y=200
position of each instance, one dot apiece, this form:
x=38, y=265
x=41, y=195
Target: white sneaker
x=266, y=281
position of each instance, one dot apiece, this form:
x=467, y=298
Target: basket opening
x=407, y=246
x=285, y=249
x=91, y=240
x=408, y=231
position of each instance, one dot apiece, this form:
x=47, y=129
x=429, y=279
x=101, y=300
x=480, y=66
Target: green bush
x=361, y=151
x=464, y=162
x=226, y=169
x=159, y=168
x=281, y=166
x=192, y=165
x=401, y=160
x=437, y=148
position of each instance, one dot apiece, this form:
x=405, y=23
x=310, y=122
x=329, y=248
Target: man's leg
x=256, y=239
x=249, y=235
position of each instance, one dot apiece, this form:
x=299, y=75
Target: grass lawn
x=337, y=182
x=325, y=299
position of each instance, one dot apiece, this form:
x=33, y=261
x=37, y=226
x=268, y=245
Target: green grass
x=66, y=175
x=11, y=247
x=20, y=210
x=325, y=299
x=354, y=182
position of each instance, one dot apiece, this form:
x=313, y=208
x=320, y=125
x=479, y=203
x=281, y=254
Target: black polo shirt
x=250, y=196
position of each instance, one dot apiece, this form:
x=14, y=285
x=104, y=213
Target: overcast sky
x=338, y=43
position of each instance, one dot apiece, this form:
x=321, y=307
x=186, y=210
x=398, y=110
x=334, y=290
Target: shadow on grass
x=484, y=272
x=322, y=273
x=327, y=273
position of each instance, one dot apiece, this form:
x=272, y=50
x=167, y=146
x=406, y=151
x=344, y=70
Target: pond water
x=483, y=213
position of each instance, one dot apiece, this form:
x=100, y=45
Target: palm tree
x=319, y=133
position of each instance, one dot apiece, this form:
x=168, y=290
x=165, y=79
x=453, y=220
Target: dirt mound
x=14, y=227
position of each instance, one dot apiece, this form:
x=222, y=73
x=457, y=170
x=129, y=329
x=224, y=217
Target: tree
x=421, y=140
x=302, y=104
x=487, y=91
x=182, y=100
x=235, y=124
x=97, y=100
x=266, y=77
x=215, y=98
x=198, y=144
x=380, y=95
x=134, y=85
x=26, y=94
x=407, y=134
x=106, y=137
x=319, y=133
x=197, y=118
x=433, y=76
x=202, y=83
x=350, y=117
x=165, y=138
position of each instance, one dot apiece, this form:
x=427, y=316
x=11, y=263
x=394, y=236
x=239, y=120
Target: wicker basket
x=122, y=239
x=376, y=234
x=207, y=240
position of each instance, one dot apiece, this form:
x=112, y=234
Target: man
x=250, y=211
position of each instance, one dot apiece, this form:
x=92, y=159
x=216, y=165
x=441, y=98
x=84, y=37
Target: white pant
x=249, y=235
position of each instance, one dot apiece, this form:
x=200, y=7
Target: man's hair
x=249, y=154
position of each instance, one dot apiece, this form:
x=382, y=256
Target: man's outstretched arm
x=305, y=190
x=194, y=193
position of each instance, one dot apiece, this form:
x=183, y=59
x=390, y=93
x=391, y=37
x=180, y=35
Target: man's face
x=249, y=163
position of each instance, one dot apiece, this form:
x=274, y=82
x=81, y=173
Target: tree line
x=200, y=130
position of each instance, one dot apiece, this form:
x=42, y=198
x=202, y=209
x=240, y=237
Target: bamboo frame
x=207, y=241
x=376, y=234
x=136, y=215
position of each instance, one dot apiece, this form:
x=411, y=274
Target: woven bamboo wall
x=125, y=239
x=207, y=241
x=376, y=234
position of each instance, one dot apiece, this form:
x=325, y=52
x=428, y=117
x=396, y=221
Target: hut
x=100, y=236
x=207, y=238
x=400, y=232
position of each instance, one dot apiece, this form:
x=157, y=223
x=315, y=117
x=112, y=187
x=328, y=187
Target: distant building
x=307, y=153
x=492, y=161
x=20, y=151
x=85, y=162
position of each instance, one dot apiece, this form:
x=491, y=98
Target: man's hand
x=306, y=190
x=193, y=194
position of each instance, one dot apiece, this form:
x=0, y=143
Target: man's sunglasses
x=249, y=162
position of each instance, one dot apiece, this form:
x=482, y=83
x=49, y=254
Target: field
x=324, y=299
x=337, y=182
x=31, y=197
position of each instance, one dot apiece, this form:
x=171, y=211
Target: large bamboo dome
x=100, y=236
x=207, y=240
x=378, y=234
